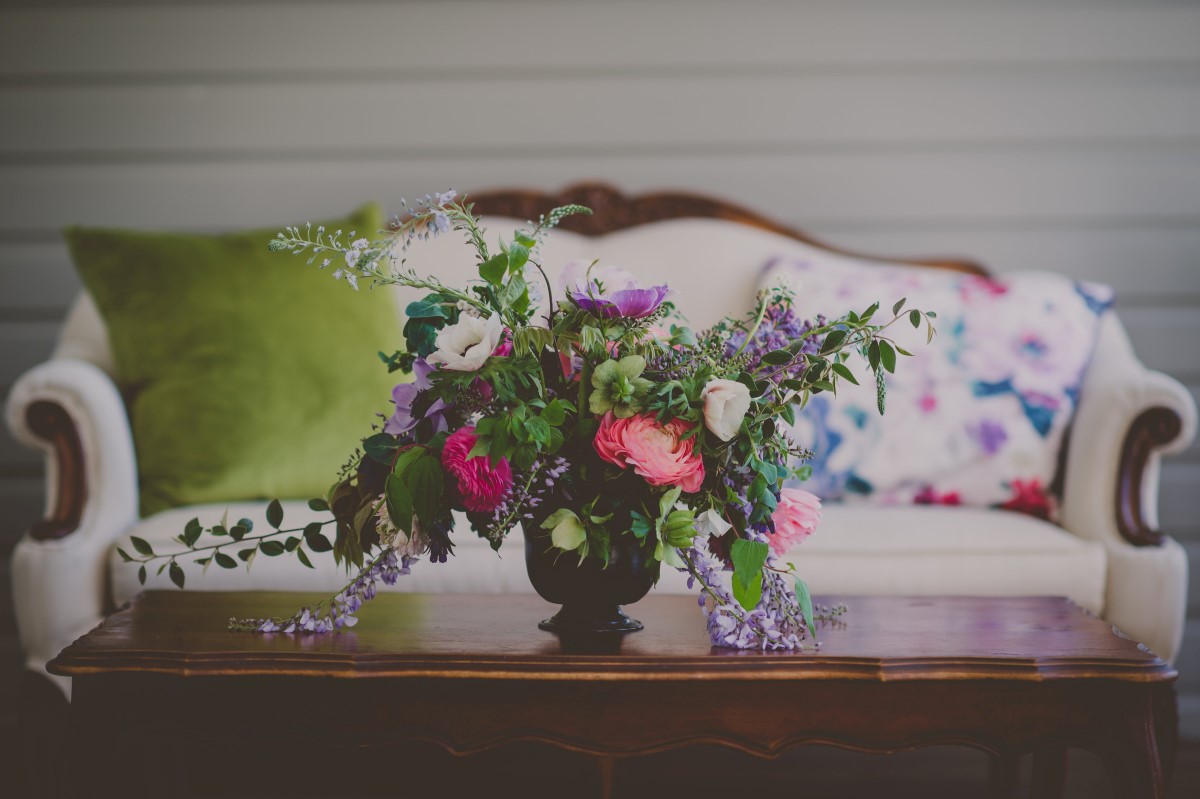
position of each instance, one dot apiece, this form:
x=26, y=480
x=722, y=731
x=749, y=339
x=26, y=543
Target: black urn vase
x=591, y=594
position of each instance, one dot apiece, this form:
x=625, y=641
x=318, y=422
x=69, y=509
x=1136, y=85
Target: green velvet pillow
x=247, y=374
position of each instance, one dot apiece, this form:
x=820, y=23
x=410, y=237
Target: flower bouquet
x=587, y=413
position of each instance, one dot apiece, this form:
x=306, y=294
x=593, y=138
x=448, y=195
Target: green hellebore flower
x=566, y=531
x=619, y=387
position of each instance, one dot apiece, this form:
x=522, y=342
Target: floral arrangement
x=583, y=409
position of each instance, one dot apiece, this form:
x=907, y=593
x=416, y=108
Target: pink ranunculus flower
x=481, y=484
x=653, y=450
x=795, y=519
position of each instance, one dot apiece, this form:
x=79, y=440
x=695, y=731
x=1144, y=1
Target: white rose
x=725, y=405
x=466, y=346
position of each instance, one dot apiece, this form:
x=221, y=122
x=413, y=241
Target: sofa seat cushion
x=856, y=550
x=918, y=551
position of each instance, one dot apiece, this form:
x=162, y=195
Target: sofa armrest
x=1128, y=418
x=71, y=410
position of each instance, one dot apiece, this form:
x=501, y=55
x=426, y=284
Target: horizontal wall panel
x=1143, y=264
x=1166, y=338
x=433, y=38
x=1193, y=553
x=24, y=345
x=1179, y=500
x=36, y=279
x=1041, y=188
x=1142, y=104
x=23, y=500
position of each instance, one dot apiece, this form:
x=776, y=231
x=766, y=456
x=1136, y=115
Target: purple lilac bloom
x=404, y=395
x=780, y=328
x=610, y=291
x=775, y=623
x=342, y=607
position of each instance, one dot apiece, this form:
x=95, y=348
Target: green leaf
x=275, y=514
x=804, y=599
x=873, y=356
x=238, y=532
x=399, y=502
x=566, y=531
x=407, y=459
x=247, y=555
x=304, y=559
x=554, y=413
x=192, y=531
x=224, y=561
x=777, y=357
x=175, y=572
x=748, y=559
x=271, y=548
x=425, y=484
x=125, y=558
x=914, y=316
x=539, y=430
x=492, y=270
x=833, y=340
x=518, y=256
x=380, y=447
x=316, y=504
x=887, y=356
x=141, y=545
x=142, y=574
x=896, y=308
x=425, y=309
x=844, y=372
x=748, y=596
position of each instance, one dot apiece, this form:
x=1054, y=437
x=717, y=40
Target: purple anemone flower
x=610, y=291
x=404, y=395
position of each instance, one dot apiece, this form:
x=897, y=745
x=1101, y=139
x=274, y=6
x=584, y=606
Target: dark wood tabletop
x=468, y=673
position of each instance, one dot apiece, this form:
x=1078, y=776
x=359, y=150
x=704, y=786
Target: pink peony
x=795, y=519
x=653, y=450
x=481, y=485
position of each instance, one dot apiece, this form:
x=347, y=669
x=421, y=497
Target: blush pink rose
x=795, y=518
x=481, y=484
x=652, y=449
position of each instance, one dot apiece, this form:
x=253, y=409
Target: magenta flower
x=609, y=291
x=482, y=485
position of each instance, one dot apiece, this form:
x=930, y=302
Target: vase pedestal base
x=590, y=619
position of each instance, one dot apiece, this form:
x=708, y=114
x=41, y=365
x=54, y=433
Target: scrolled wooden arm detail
x=612, y=211
x=50, y=422
x=1152, y=428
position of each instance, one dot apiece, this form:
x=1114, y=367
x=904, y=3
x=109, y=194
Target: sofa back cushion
x=247, y=374
x=977, y=417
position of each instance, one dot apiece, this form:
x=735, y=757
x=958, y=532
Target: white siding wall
x=1051, y=135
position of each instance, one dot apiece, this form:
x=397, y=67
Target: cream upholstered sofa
x=1106, y=556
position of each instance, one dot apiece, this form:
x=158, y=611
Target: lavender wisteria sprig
x=337, y=611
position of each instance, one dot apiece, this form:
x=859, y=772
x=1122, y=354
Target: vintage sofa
x=1107, y=555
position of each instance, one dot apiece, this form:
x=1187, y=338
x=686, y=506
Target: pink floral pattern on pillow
x=975, y=418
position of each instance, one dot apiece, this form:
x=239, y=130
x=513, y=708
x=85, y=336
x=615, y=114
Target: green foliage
x=748, y=558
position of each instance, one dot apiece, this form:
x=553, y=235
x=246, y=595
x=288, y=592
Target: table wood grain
x=470, y=673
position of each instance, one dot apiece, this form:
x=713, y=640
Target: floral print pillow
x=977, y=417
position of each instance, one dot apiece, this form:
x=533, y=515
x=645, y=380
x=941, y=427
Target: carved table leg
x=1133, y=752
x=1049, y=773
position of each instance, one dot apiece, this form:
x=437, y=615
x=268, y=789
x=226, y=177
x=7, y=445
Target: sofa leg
x=42, y=725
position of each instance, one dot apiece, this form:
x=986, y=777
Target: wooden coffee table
x=469, y=673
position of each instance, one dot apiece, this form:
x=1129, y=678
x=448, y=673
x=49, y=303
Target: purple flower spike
x=610, y=291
